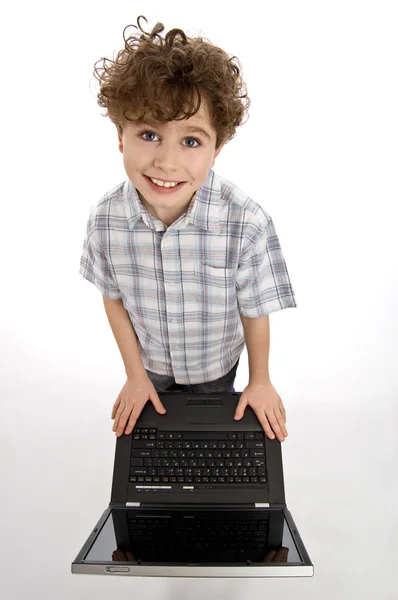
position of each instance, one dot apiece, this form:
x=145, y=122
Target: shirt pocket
x=215, y=289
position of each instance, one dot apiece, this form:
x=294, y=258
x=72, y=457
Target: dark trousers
x=163, y=383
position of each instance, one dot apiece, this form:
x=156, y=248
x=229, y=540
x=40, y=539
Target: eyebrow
x=187, y=128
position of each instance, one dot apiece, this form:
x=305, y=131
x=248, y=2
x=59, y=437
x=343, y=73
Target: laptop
x=196, y=494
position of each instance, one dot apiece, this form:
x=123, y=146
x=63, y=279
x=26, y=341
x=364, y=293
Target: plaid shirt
x=183, y=286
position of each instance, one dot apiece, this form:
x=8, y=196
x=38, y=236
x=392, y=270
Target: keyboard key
x=138, y=453
x=253, y=444
x=143, y=443
x=138, y=472
x=205, y=435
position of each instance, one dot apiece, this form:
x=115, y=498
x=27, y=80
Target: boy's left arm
x=260, y=394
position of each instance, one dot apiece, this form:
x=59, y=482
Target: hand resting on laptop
x=268, y=406
x=136, y=392
x=130, y=402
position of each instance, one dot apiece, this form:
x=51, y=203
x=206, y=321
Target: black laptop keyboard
x=197, y=457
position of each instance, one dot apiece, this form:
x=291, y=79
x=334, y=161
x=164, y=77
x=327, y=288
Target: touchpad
x=204, y=414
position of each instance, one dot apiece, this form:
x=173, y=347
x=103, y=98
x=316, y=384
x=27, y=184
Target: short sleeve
x=262, y=280
x=94, y=266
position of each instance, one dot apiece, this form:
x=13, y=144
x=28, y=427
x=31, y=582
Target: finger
x=281, y=421
x=281, y=555
x=240, y=409
x=283, y=411
x=118, y=555
x=269, y=556
x=124, y=417
x=132, y=421
x=261, y=416
x=275, y=425
x=130, y=556
x=115, y=407
x=118, y=414
x=157, y=404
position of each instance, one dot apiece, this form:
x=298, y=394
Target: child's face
x=168, y=151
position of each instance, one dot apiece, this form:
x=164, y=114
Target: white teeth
x=164, y=183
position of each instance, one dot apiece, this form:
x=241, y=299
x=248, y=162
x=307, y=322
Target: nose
x=166, y=158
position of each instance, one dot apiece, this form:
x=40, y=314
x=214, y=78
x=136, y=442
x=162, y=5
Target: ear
x=120, y=138
x=217, y=153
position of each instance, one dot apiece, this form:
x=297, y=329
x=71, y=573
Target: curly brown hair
x=166, y=78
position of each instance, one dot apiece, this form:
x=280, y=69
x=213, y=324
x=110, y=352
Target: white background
x=319, y=153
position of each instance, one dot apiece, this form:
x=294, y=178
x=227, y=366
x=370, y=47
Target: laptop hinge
x=256, y=504
x=192, y=505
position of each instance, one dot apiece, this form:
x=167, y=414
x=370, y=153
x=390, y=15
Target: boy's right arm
x=138, y=388
x=125, y=337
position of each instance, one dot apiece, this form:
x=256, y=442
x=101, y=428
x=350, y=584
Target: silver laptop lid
x=195, y=543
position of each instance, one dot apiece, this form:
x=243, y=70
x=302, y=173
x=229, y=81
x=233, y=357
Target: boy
x=189, y=266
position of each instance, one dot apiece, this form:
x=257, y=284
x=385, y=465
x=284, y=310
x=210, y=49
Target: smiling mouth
x=165, y=180
x=164, y=186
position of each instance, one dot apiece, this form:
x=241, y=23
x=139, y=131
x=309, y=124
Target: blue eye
x=150, y=133
x=195, y=140
x=153, y=133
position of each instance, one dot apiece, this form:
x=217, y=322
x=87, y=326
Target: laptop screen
x=192, y=536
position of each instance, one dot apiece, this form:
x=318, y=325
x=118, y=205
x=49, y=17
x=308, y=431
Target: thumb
x=240, y=409
x=157, y=404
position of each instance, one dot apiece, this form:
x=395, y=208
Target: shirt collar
x=203, y=211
